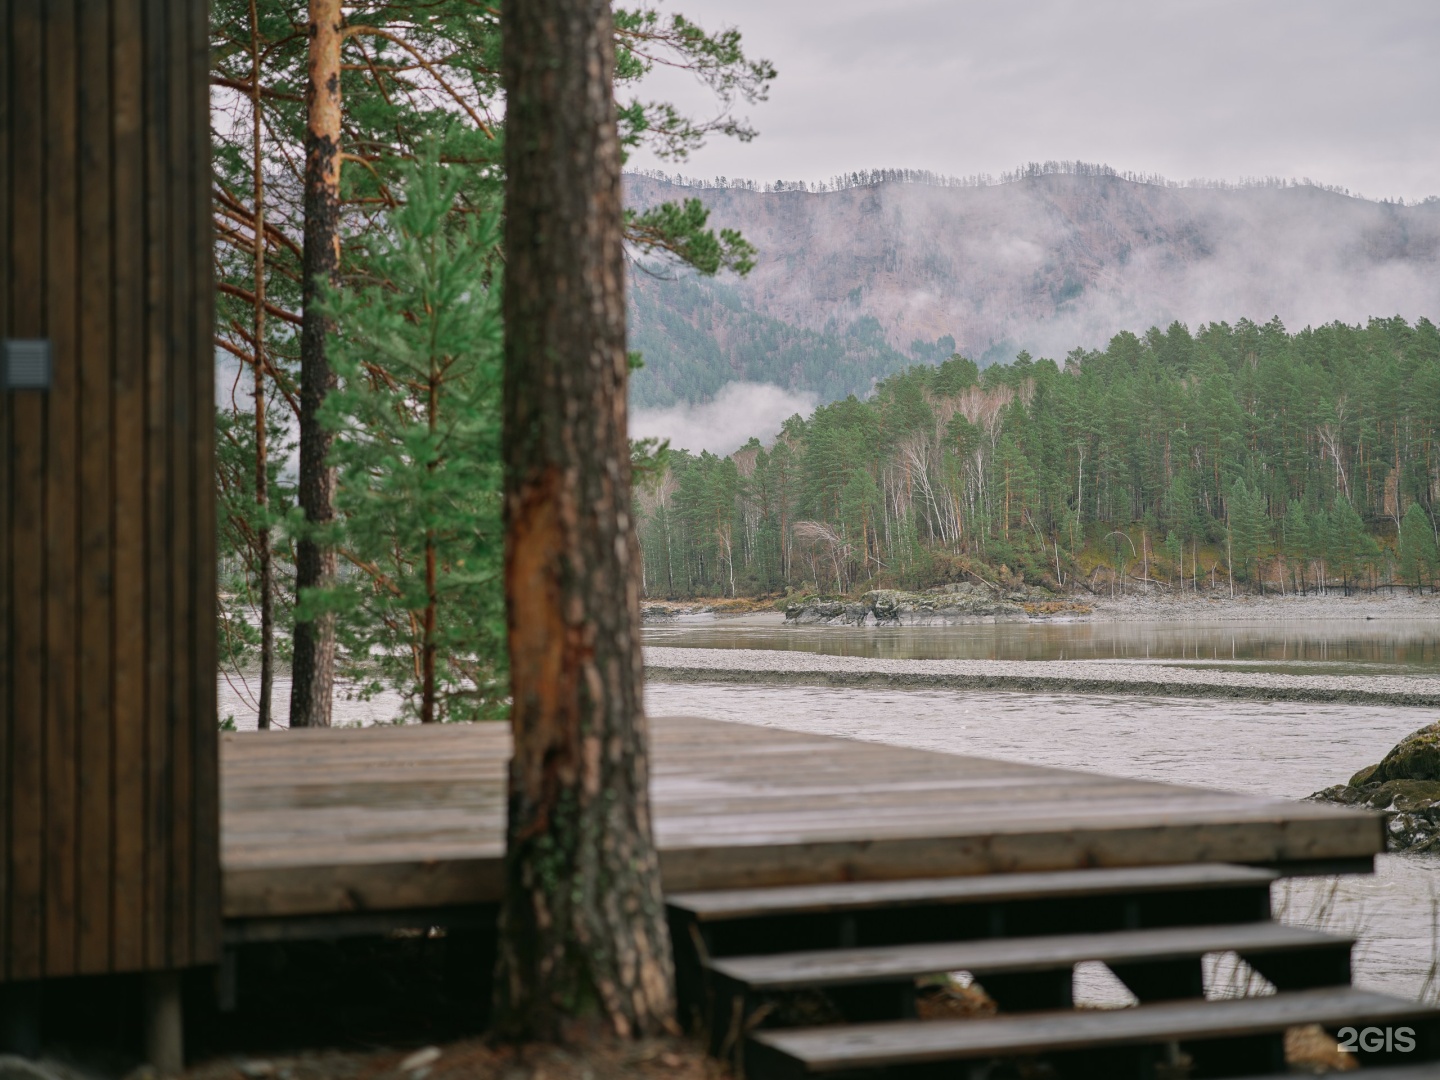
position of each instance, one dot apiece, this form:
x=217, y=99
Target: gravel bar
x=1068, y=676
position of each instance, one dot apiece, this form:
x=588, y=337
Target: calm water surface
x=1302, y=646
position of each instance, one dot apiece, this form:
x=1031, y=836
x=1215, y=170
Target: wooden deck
x=320, y=823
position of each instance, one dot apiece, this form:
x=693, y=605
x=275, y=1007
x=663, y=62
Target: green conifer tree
x=1417, y=547
x=1349, y=542
x=1295, y=536
x=417, y=451
x=1246, y=526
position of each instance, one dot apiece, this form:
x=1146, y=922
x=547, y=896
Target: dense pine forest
x=1242, y=457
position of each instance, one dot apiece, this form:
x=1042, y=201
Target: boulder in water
x=1405, y=786
x=1415, y=757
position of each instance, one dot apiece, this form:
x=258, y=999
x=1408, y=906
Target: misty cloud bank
x=1053, y=261
x=725, y=423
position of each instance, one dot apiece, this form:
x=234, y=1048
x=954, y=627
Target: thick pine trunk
x=583, y=935
x=314, y=661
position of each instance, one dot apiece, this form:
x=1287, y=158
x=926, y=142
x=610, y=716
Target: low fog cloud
x=740, y=410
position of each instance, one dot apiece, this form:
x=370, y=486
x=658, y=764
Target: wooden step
x=753, y=922
x=850, y=914
x=1423, y=1071
x=1018, y=973
x=851, y=896
x=899, y=1048
x=893, y=963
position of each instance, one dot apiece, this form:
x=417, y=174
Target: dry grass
x=1311, y=1050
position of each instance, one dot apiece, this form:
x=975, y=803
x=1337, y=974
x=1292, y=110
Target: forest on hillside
x=1241, y=455
x=698, y=333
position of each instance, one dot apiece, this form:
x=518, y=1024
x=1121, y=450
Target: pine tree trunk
x=262, y=464
x=583, y=936
x=432, y=600
x=314, y=661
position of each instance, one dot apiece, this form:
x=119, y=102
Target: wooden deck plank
x=61, y=631
x=318, y=818
x=25, y=801
x=159, y=192
x=129, y=582
x=96, y=617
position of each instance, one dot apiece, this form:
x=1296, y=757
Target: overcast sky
x=1345, y=93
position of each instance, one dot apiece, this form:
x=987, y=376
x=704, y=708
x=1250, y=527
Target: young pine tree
x=1417, y=546
x=1175, y=551
x=1295, y=536
x=1246, y=507
x=1349, y=543
x=417, y=423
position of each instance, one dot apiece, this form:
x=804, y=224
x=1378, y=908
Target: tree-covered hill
x=1286, y=461
x=696, y=334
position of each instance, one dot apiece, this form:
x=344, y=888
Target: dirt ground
x=662, y=1059
x=1309, y=1051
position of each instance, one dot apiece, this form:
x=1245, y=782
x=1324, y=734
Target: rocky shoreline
x=1405, y=785
x=952, y=605
x=1161, y=605
x=963, y=603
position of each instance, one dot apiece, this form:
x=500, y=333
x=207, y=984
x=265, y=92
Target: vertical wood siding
x=109, y=827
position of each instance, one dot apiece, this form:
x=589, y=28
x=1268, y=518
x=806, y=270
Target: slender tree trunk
x=314, y=663
x=432, y=599
x=262, y=463
x=427, y=656
x=583, y=938
x=1229, y=559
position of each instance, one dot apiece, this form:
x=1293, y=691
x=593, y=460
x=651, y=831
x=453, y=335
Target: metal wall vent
x=27, y=364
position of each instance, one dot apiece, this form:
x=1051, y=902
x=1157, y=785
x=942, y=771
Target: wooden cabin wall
x=108, y=742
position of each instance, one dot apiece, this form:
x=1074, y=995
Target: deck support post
x=164, y=1022
x=227, y=980
x=20, y=1019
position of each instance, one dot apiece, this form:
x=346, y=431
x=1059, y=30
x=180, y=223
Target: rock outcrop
x=954, y=604
x=1405, y=785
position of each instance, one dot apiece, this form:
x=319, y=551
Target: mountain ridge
x=1044, y=263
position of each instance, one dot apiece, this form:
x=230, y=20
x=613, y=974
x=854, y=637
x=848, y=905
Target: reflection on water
x=1314, y=646
x=1266, y=747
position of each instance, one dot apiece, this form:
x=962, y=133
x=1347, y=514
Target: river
x=1286, y=749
